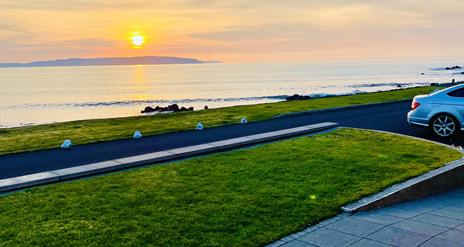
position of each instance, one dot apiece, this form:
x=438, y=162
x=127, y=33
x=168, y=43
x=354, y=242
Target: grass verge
x=52, y=135
x=247, y=197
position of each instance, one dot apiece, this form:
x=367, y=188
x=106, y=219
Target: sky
x=232, y=30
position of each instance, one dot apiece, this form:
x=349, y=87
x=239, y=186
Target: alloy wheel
x=444, y=126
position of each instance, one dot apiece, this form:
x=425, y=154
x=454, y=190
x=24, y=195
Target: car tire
x=444, y=125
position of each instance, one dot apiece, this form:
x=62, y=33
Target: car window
x=457, y=93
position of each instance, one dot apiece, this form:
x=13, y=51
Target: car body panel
x=437, y=103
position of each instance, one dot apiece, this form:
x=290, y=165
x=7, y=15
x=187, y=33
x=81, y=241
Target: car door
x=454, y=103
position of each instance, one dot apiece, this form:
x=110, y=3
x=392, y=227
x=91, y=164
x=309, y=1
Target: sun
x=137, y=40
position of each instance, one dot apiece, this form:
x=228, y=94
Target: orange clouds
x=232, y=30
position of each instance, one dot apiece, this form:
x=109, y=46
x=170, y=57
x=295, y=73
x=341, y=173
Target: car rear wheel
x=444, y=125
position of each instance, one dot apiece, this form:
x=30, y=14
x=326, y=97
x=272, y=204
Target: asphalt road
x=388, y=117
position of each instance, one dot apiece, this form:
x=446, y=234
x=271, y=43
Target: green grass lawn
x=247, y=197
x=52, y=135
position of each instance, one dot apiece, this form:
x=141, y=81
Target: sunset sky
x=232, y=30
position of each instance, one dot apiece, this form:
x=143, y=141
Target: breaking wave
x=349, y=90
x=393, y=84
x=145, y=102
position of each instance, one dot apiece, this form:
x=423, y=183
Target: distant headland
x=107, y=61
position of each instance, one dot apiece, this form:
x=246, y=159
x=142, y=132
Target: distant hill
x=106, y=61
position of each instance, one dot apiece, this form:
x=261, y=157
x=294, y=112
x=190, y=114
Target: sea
x=40, y=95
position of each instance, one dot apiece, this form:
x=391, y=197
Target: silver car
x=441, y=111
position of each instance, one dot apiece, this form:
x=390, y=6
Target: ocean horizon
x=40, y=95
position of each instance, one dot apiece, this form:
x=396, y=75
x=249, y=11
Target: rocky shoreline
x=453, y=67
x=169, y=108
x=295, y=97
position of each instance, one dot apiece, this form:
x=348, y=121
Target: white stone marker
x=66, y=144
x=137, y=134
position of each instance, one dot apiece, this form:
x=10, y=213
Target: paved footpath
x=436, y=220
